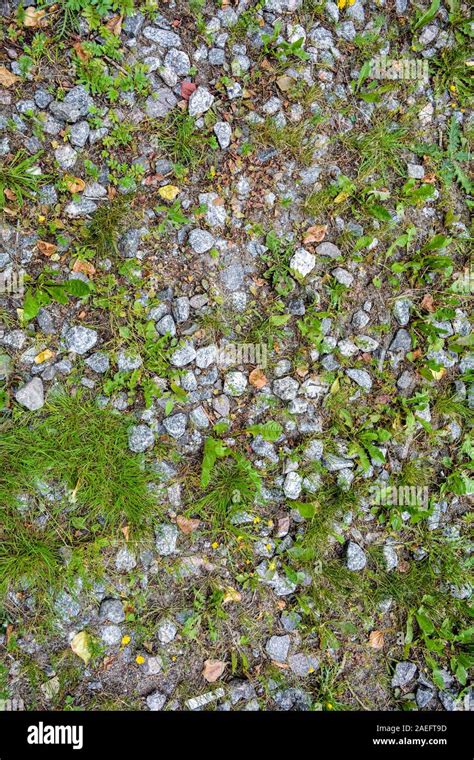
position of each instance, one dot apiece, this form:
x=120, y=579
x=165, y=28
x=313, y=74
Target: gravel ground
x=235, y=355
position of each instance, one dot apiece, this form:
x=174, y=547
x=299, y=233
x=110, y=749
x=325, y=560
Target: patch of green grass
x=177, y=139
x=292, y=140
x=380, y=149
x=86, y=449
x=108, y=223
x=18, y=176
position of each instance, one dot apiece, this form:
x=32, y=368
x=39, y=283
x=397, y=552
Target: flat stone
x=183, y=355
x=125, y=560
x=302, y=262
x=223, y=132
x=361, y=377
x=98, y=362
x=286, y=388
x=75, y=105
x=292, y=485
x=162, y=37
x=156, y=701
x=175, y=425
x=111, y=635
x=31, y=395
x=277, y=648
x=166, y=631
x=235, y=383
x=303, y=665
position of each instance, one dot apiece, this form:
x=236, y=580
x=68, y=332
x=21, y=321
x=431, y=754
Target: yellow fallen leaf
x=168, y=192
x=231, y=595
x=213, y=669
x=34, y=17
x=7, y=78
x=80, y=646
x=43, y=356
x=438, y=374
x=341, y=197
x=75, y=184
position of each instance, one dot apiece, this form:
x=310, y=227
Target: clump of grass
x=380, y=148
x=109, y=222
x=28, y=556
x=292, y=139
x=177, y=139
x=18, y=176
x=83, y=447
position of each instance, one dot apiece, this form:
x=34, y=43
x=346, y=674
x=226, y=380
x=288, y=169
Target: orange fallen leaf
x=187, y=524
x=257, y=378
x=47, y=249
x=315, y=234
x=10, y=194
x=213, y=669
x=84, y=266
x=376, y=640
x=126, y=532
x=75, y=184
x=7, y=78
x=231, y=595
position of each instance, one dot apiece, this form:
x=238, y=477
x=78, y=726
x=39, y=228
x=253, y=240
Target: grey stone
x=292, y=485
x=185, y=354
x=125, y=560
x=111, y=635
x=156, y=701
x=166, y=536
x=162, y=37
x=223, y=132
x=199, y=418
x=361, y=377
x=166, y=325
x=342, y=276
x=140, y=438
x=302, y=262
x=76, y=104
x=404, y=673
x=355, y=557
x=31, y=395
x=160, y=103
x=277, y=648
x=127, y=362
x=98, y=362
x=206, y=356
x=401, y=311
x=235, y=383
x=166, y=631
x=178, y=61
x=175, y=425
x=65, y=156
x=200, y=101
x=80, y=339
x=303, y=665
x=79, y=134
x=181, y=309
x=401, y=342
x=285, y=388
x=328, y=249
x=200, y=241
x=112, y=609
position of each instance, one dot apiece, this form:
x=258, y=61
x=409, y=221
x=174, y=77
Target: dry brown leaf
x=285, y=83
x=81, y=53
x=213, y=669
x=315, y=234
x=187, y=524
x=376, y=640
x=9, y=194
x=115, y=25
x=84, y=266
x=427, y=302
x=257, y=378
x=34, y=18
x=75, y=184
x=47, y=249
x=7, y=78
